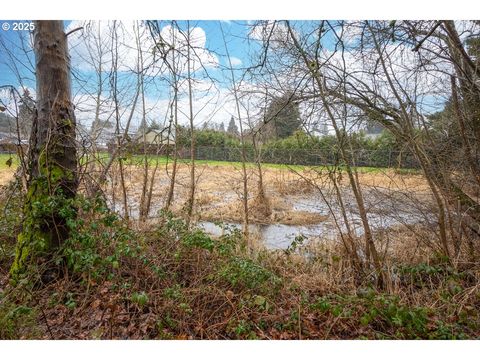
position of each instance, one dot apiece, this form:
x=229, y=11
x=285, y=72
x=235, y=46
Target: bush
x=241, y=272
x=17, y=320
x=98, y=239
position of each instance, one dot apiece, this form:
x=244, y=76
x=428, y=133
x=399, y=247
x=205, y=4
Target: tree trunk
x=191, y=193
x=52, y=153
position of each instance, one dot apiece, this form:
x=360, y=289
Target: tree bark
x=191, y=193
x=52, y=153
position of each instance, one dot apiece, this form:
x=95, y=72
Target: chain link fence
x=383, y=158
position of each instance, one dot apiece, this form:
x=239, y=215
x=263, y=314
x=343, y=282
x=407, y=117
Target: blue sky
x=236, y=33
x=216, y=107
x=12, y=40
x=16, y=52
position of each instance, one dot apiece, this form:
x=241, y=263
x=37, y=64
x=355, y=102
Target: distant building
x=373, y=131
x=156, y=137
x=153, y=141
x=9, y=143
x=4, y=135
x=104, y=137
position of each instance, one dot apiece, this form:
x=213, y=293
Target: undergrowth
x=168, y=281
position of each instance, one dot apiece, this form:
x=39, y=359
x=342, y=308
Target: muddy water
x=383, y=212
x=274, y=236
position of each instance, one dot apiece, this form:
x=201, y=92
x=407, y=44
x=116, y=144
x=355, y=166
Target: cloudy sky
x=91, y=48
x=219, y=48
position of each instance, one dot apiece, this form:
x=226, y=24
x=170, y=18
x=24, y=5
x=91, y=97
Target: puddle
x=275, y=236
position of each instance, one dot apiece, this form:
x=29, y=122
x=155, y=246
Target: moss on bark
x=52, y=151
x=41, y=221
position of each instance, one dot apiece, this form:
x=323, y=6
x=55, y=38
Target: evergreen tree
x=282, y=117
x=221, y=127
x=232, y=127
x=154, y=126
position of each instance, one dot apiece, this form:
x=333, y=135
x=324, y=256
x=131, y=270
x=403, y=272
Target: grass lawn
x=162, y=160
x=5, y=157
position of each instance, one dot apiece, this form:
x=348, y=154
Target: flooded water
x=383, y=213
x=274, y=236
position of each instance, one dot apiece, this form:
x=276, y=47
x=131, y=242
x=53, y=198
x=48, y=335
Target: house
x=373, y=131
x=156, y=137
x=153, y=141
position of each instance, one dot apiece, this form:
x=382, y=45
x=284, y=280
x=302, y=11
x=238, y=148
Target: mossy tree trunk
x=52, y=167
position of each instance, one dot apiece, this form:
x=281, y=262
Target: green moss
x=52, y=171
x=67, y=123
x=39, y=209
x=34, y=237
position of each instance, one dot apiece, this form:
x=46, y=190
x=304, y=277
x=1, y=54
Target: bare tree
x=242, y=140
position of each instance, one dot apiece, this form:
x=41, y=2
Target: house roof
x=157, y=137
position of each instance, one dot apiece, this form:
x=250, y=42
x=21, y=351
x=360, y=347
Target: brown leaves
x=229, y=294
x=59, y=315
x=95, y=304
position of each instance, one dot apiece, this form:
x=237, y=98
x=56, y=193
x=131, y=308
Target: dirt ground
x=6, y=175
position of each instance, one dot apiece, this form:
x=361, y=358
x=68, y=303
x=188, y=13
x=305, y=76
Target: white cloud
x=235, y=61
x=276, y=33
x=94, y=45
x=179, y=40
x=11, y=98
